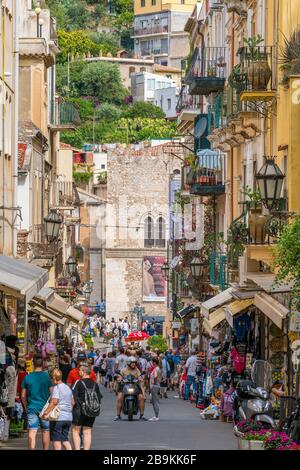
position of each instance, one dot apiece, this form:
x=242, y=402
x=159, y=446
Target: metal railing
x=62, y=193
x=187, y=101
x=207, y=62
x=218, y=270
x=151, y=30
x=257, y=68
x=64, y=114
x=254, y=227
x=150, y=51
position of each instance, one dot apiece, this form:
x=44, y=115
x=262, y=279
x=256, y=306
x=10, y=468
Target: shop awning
x=74, y=315
x=216, y=301
x=186, y=311
x=274, y=310
x=214, y=319
x=236, y=307
x=44, y=312
x=58, y=304
x=21, y=279
x=266, y=281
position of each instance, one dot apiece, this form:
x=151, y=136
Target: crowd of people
x=65, y=401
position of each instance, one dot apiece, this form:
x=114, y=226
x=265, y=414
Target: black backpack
x=91, y=405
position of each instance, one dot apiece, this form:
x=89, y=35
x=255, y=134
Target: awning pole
x=26, y=329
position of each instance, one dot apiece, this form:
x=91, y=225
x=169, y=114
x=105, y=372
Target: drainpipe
x=16, y=13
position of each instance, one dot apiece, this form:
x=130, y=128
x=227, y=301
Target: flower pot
x=259, y=74
x=243, y=444
x=256, y=445
x=257, y=222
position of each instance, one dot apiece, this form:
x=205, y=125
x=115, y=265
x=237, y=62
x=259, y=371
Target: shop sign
x=295, y=321
x=194, y=325
x=176, y=325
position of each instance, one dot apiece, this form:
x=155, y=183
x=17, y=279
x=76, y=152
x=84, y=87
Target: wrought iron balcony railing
x=208, y=178
x=64, y=115
x=254, y=227
x=62, y=194
x=207, y=71
x=256, y=73
x=151, y=30
x=187, y=101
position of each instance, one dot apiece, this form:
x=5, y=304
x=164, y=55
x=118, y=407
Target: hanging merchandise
x=277, y=360
x=239, y=361
x=4, y=397
x=241, y=326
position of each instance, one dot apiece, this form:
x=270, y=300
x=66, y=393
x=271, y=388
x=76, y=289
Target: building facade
x=155, y=89
x=137, y=229
x=9, y=62
x=159, y=30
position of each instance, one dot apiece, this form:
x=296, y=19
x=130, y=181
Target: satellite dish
x=200, y=127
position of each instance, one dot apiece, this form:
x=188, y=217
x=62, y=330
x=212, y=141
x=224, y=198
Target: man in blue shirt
x=36, y=389
x=92, y=354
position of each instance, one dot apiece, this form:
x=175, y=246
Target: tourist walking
x=155, y=380
x=65, y=366
x=36, y=388
x=74, y=374
x=62, y=398
x=87, y=398
x=165, y=375
x=190, y=369
x=110, y=374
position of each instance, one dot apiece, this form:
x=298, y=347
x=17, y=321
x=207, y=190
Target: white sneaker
x=154, y=419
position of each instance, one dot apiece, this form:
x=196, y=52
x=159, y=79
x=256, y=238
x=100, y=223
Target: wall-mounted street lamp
x=270, y=181
x=53, y=223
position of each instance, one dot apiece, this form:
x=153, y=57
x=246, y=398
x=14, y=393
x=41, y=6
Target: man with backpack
x=87, y=398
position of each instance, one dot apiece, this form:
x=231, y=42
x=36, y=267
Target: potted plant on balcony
x=257, y=67
x=290, y=57
x=238, y=79
x=257, y=220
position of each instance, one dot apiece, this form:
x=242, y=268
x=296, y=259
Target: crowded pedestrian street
x=149, y=230
x=180, y=427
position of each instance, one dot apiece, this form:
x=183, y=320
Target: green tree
x=74, y=44
x=102, y=80
x=85, y=107
x=143, y=110
x=108, y=112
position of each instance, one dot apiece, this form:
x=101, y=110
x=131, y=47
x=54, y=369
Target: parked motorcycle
x=291, y=423
x=252, y=399
x=131, y=393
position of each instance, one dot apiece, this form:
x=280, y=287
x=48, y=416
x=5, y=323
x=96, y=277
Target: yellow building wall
x=162, y=6
x=288, y=106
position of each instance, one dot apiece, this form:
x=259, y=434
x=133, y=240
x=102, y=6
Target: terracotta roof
x=165, y=68
x=64, y=146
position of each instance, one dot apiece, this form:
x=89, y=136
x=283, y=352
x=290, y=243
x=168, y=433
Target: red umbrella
x=137, y=336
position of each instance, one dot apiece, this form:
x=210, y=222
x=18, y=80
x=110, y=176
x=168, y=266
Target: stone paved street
x=180, y=428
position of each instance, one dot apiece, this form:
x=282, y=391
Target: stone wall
x=138, y=185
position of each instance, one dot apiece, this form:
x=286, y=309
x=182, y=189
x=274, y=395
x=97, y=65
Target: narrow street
x=180, y=427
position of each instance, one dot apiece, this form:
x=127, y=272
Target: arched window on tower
x=149, y=232
x=160, y=239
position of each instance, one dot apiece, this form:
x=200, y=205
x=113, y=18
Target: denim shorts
x=34, y=421
x=59, y=431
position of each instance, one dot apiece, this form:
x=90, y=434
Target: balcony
x=256, y=73
x=188, y=106
x=218, y=270
x=41, y=249
x=208, y=178
x=207, y=71
x=254, y=227
x=62, y=195
x=157, y=51
x=63, y=116
x=151, y=30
